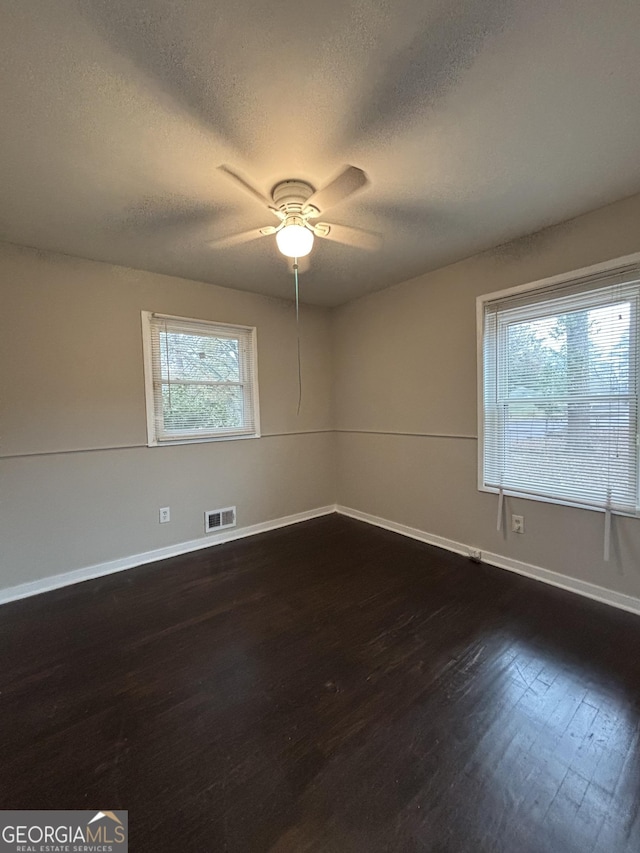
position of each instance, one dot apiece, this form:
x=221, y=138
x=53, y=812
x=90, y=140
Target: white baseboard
x=588, y=590
x=25, y=590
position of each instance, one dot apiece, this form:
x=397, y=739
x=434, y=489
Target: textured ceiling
x=476, y=121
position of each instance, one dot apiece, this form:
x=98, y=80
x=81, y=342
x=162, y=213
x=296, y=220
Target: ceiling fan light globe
x=295, y=241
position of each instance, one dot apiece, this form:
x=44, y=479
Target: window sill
x=204, y=440
x=557, y=501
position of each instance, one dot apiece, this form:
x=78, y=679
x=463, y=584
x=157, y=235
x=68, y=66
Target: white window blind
x=201, y=379
x=560, y=393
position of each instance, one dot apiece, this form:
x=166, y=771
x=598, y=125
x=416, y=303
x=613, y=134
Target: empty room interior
x=319, y=457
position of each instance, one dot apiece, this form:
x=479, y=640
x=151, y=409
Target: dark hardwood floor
x=327, y=687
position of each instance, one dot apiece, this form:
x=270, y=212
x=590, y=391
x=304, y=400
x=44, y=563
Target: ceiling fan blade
x=349, y=236
x=243, y=237
x=303, y=264
x=247, y=186
x=349, y=181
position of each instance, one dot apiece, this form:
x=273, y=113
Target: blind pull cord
x=500, y=506
x=295, y=275
x=166, y=349
x=607, y=528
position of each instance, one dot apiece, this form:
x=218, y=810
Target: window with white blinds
x=559, y=402
x=201, y=379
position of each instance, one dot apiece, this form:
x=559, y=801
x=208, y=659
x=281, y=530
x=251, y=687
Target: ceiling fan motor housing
x=290, y=196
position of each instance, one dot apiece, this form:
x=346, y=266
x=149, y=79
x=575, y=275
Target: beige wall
x=78, y=485
x=405, y=362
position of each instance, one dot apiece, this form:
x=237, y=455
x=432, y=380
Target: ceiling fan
x=296, y=203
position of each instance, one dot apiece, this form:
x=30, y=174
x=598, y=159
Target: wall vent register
x=219, y=519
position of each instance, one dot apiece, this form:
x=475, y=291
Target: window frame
x=250, y=366
x=563, y=279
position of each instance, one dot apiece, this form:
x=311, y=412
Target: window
x=559, y=399
x=201, y=380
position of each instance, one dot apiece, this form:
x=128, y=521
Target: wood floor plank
x=326, y=687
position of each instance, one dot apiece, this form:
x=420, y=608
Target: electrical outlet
x=164, y=514
x=517, y=523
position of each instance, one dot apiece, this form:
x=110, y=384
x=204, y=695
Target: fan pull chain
x=295, y=275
